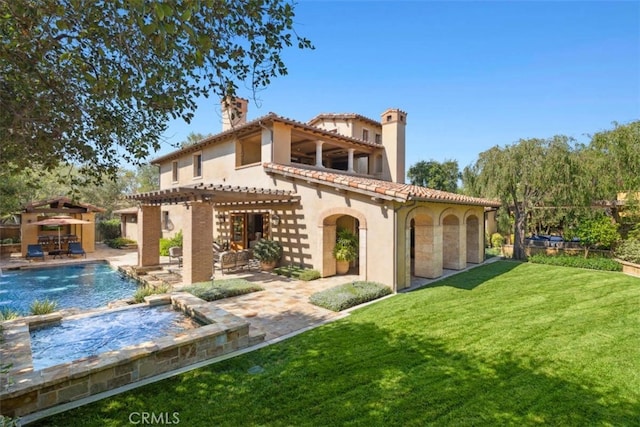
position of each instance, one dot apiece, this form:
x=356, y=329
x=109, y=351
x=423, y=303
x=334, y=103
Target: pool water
x=92, y=335
x=82, y=286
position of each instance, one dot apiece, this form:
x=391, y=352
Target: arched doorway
x=353, y=221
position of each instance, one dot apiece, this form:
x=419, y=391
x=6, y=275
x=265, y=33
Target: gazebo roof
x=60, y=205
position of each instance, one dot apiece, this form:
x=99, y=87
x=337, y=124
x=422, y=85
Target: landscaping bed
x=219, y=289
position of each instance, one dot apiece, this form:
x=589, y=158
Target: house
x=298, y=183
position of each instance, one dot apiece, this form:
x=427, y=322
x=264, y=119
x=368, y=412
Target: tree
x=193, y=138
x=95, y=83
x=599, y=232
x=147, y=179
x=433, y=174
x=530, y=174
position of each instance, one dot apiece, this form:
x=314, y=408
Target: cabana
x=83, y=230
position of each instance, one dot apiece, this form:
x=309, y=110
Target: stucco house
x=298, y=183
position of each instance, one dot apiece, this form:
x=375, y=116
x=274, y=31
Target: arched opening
x=341, y=219
x=451, y=243
x=474, y=254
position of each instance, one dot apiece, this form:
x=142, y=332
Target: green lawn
x=503, y=344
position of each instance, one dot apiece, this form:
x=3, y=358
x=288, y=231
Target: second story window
x=365, y=134
x=378, y=138
x=197, y=165
x=174, y=171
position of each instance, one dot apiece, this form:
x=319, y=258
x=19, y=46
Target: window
x=174, y=171
x=389, y=117
x=378, y=138
x=197, y=165
x=365, y=134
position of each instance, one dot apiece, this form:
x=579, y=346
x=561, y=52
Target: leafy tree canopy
x=93, y=83
x=433, y=174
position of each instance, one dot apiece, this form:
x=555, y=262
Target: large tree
x=433, y=174
x=528, y=175
x=93, y=83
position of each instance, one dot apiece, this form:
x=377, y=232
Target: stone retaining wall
x=24, y=391
x=630, y=268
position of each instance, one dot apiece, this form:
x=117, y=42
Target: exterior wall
x=148, y=236
x=129, y=226
x=393, y=138
x=29, y=232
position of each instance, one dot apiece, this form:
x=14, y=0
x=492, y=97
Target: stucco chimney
x=394, y=122
x=234, y=112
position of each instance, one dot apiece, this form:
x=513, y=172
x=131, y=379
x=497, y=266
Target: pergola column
x=350, y=162
x=197, y=243
x=319, y=153
x=149, y=233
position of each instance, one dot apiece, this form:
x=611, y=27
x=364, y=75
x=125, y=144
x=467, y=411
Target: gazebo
x=33, y=212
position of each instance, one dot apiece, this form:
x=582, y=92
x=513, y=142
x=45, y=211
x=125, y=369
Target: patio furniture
x=176, y=252
x=233, y=260
x=75, y=248
x=35, y=251
x=57, y=253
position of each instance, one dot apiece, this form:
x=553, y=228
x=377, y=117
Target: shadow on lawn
x=475, y=277
x=351, y=373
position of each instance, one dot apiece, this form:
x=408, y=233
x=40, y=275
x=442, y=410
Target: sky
x=470, y=75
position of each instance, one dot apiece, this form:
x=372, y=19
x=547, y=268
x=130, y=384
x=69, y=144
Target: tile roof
x=375, y=187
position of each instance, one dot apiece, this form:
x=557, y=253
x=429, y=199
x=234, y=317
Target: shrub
x=109, y=229
x=119, y=242
x=6, y=313
x=297, y=272
x=497, y=240
x=346, y=248
x=593, y=262
x=268, y=251
x=43, y=307
x=634, y=233
x=7, y=241
x=629, y=251
x=165, y=244
x=145, y=291
x=219, y=289
x=349, y=295
x=309, y=275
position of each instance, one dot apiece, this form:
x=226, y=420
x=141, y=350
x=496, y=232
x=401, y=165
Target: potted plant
x=268, y=252
x=346, y=250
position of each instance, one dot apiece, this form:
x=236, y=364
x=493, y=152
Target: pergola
x=197, y=231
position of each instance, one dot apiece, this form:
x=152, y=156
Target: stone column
x=319, y=153
x=197, y=243
x=350, y=161
x=149, y=232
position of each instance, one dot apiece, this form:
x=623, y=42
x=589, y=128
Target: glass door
x=238, y=231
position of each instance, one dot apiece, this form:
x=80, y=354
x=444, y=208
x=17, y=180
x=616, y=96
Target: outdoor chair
x=176, y=252
x=35, y=251
x=75, y=248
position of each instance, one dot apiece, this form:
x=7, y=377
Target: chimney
x=234, y=112
x=394, y=122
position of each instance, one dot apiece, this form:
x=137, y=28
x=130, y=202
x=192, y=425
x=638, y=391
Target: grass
x=224, y=288
x=45, y=306
x=508, y=343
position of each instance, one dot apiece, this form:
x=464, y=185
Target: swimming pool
x=89, y=285
x=92, y=335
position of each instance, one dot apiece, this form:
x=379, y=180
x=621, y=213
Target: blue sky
x=470, y=75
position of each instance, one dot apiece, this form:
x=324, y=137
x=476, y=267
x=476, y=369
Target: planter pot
x=268, y=266
x=342, y=267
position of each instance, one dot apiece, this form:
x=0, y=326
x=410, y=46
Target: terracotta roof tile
x=399, y=192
